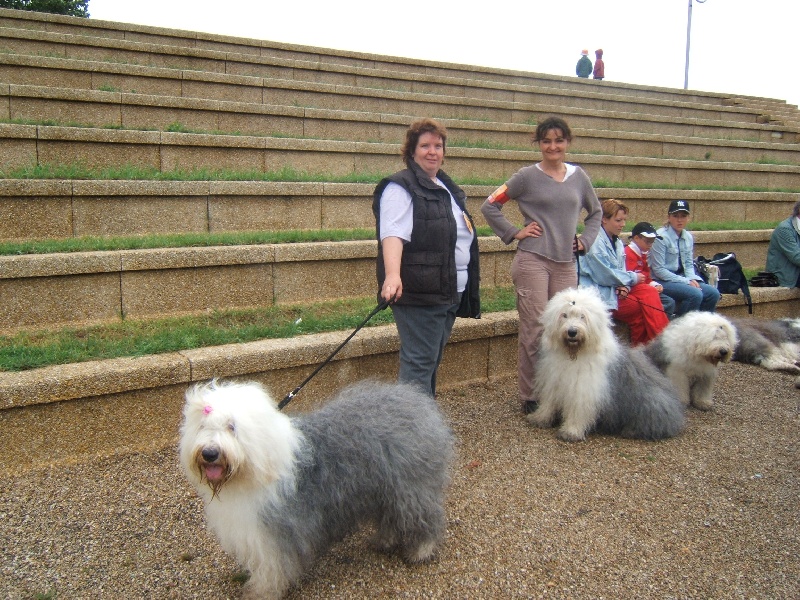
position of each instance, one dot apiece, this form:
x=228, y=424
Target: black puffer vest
x=427, y=268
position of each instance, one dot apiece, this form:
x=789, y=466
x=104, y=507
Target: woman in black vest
x=427, y=253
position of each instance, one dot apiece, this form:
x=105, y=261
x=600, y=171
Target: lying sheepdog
x=279, y=491
x=771, y=344
x=689, y=351
x=592, y=382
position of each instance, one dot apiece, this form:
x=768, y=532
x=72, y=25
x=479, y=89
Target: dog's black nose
x=210, y=454
x=723, y=352
x=572, y=332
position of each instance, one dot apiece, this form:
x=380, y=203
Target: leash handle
x=290, y=396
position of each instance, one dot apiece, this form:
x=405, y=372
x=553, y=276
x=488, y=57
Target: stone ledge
x=79, y=380
x=261, y=50
x=42, y=209
x=71, y=289
x=168, y=151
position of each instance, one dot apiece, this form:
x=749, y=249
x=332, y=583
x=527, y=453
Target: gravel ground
x=710, y=514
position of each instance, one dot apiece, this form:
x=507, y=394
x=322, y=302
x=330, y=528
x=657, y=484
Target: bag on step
x=731, y=276
x=765, y=279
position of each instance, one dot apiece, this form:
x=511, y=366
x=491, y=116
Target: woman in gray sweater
x=550, y=196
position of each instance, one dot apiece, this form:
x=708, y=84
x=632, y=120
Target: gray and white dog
x=591, y=382
x=279, y=491
x=771, y=344
x=690, y=350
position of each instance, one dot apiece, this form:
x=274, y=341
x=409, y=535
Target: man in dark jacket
x=584, y=66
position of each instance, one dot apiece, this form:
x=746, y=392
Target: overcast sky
x=737, y=46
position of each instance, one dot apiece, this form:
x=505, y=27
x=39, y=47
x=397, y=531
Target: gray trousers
x=424, y=331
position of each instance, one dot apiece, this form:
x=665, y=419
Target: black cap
x=645, y=229
x=678, y=206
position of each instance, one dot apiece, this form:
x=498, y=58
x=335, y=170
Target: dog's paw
x=705, y=405
x=567, y=435
x=425, y=552
x=538, y=419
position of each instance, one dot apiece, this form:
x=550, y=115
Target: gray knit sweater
x=556, y=206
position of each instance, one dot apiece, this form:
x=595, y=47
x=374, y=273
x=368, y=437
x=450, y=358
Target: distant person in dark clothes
x=783, y=254
x=599, y=66
x=584, y=66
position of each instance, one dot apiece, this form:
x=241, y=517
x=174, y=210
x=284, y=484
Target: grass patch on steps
x=243, y=238
x=289, y=174
x=40, y=348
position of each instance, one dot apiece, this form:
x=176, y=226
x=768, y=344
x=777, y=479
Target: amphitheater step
x=39, y=209
x=67, y=413
x=515, y=106
x=260, y=86
x=27, y=145
x=56, y=290
x=58, y=105
x=409, y=68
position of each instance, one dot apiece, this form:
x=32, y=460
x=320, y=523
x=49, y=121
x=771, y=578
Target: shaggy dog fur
x=585, y=376
x=689, y=350
x=773, y=345
x=279, y=491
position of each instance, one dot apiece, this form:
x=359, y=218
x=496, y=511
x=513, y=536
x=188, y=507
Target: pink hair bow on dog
x=207, y=409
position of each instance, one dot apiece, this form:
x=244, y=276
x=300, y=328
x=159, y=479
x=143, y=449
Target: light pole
x=688, y=40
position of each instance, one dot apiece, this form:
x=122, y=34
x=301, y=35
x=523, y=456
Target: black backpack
x=731, y=276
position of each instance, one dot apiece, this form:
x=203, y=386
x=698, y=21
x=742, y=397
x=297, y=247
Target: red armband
x=499, y=196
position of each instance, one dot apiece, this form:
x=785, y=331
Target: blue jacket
x=603, y=267
x=783, y=254
x=663, y=258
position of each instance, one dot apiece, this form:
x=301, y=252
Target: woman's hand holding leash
x=392, y=288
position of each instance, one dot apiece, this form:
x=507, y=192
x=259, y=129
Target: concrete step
x=64, y=414
x=59, y=290
x=67, y=106
x=40, y=209
x=411, y=68
x=29, y=145
x=266, y=87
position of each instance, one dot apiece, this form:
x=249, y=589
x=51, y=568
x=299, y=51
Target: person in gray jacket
x=783, y=254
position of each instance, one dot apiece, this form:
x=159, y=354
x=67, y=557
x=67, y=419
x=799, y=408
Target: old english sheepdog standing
x=689, y=351
x=773, y=344
x=592, y=381
x=279, y=491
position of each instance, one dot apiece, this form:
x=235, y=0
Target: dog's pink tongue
x=214, y=472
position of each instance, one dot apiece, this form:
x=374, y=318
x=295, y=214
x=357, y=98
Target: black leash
x=658, y=308
x=294, y=392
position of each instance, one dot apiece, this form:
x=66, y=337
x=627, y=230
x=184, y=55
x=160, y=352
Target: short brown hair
x=415, y=131
x=549, y=124
x=611, y=207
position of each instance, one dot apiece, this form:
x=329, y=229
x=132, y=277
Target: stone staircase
x=101, y=95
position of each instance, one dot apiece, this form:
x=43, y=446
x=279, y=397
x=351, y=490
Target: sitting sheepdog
x=773, y=344
x=689, y=350
x=585, y=376
x=279, y=491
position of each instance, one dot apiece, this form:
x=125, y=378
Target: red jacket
x=637, y=262
x=599, y=66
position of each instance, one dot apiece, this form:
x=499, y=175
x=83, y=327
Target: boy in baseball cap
x=642, y=238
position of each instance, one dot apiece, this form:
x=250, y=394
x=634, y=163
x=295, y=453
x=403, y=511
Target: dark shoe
x=529, y=406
